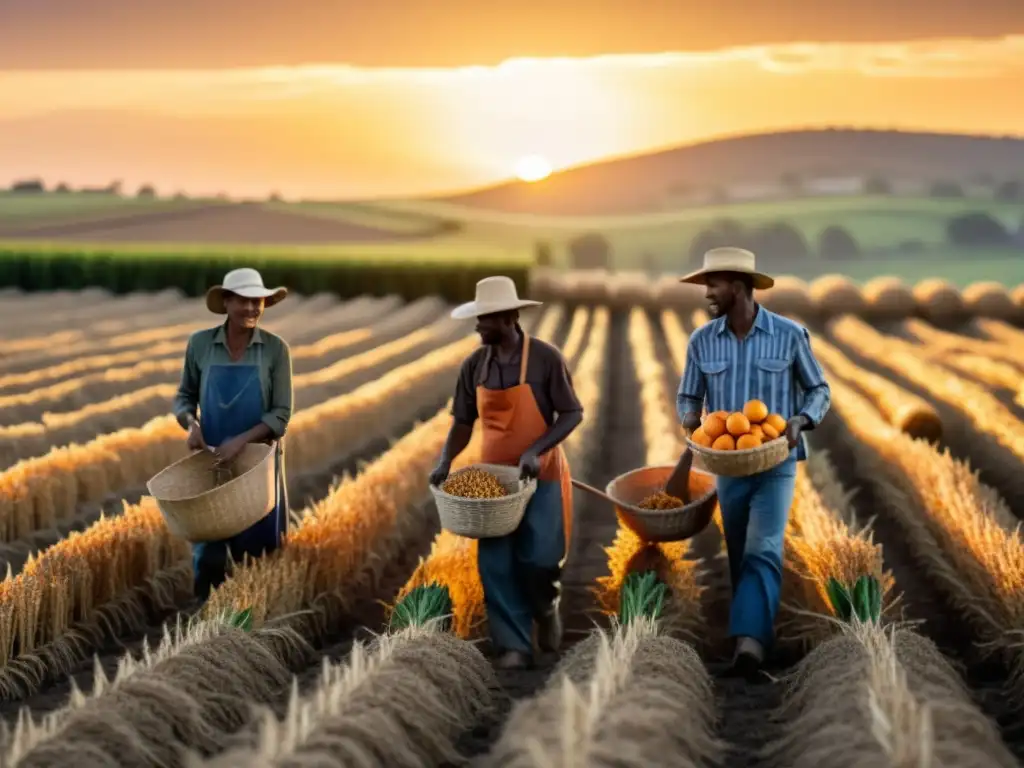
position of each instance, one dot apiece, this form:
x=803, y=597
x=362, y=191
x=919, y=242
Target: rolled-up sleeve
x=186, y=401
x=818, y=394
x=690, y=396
x=281, y=396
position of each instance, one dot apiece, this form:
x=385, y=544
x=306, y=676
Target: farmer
x=744, y=353
x=521, y=391
x=240, y=378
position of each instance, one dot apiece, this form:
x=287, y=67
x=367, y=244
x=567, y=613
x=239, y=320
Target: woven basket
x=486, y=518
x=748, y=461
x=658, y=525
x=198, y=507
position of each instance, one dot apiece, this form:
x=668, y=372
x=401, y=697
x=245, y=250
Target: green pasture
x=58, y=208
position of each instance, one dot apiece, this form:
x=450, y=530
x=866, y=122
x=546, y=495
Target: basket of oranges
x=741, y=443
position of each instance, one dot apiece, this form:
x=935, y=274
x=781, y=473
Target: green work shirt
x=209, y=347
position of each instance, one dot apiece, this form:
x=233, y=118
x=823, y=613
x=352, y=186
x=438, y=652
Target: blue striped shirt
x=774, y=364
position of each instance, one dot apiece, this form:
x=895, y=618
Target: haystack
x=547, y=284
x=630, y=289
x=990, y=299
x=789, y=296
x=587, y=286
x=887, y=298
x=939, y=302
x=835, y=295
x=669, y=293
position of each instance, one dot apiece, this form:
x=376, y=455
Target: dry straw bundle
x=576, y=335
x=887, y=299
x=876, y=696
x=997, y=330
x=935, y=341
x=628, y=697
x=401, y=702
x=990, y=299
x=959, y=529
x=588, y=379
x=627, y=290
x=835, y=295
x=789, y=296
x=939, y=302
x=669, y=293
x=904, y=410
x=588, y=286
x=196, y=690
x=662, y=432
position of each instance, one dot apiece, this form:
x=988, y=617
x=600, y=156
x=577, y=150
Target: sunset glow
x=533, y=168
x=343, y=130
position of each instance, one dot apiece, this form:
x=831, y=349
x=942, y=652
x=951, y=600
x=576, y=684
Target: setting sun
x=533, y=168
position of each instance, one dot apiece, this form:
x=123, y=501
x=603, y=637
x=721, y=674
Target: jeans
x=755, y=510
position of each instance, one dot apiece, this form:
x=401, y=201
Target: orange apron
x=510, y=423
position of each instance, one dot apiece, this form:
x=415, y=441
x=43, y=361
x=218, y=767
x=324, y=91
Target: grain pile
x=661, y=500
x=474, y=483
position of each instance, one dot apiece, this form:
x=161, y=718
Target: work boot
x=513, y=660
x=549, y=630
x=747, y=661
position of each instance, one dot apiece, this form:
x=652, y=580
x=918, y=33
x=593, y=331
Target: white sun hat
x=243, y=282
x=730, y=259
x=493, y=294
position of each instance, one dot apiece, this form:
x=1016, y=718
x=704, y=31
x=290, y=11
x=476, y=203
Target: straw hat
x=493, y=294
x=729, y=259
x=243, y=282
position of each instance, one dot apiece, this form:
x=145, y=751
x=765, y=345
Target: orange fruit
x=748, y=441
x=700, y=438
x=770, y=432
x=757, y=431
x=756, y=411
x=724, y=443
x=776, y=421
x=737, y=424
x=713, y=426
x=723, y=415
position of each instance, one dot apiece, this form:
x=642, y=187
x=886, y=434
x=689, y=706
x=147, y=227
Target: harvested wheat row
x=192, y=694
x=631, y=697
x=873, y=696
x=663, y=434
x=946, y=341
x=39, y=492
x=904, y=410
x=976, y=404
x=821, y=544
x=340, y=539
x=577, y=333
x=997, y=330
x=400, y=703
x=588, y=381
x=677, y=340
x=550, y=322
x=959, y=529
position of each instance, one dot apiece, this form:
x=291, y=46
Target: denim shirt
x=774, y=364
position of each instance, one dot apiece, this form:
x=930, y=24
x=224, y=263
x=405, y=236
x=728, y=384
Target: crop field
x=915, y=479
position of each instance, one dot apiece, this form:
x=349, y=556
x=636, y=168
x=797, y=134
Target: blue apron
x=230, y=403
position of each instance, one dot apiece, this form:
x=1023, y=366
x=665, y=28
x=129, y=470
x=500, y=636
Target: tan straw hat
x=493, y=294
x=729, y=259
x=243, y=282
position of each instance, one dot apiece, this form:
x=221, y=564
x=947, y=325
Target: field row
x=642, y=685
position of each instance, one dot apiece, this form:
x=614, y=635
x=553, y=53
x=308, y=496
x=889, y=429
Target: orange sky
x=336, y=130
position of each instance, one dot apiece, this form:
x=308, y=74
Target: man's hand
x=196, y=442
x=440, y=473
x=793, y=429
x=228, y=451
x=691, y=421
x=529, y=465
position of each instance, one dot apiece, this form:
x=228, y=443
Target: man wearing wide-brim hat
x=748, y=353
x=239, y=379
x=520, y=390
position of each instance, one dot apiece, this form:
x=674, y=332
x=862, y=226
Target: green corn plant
x=241, y=619
x=864, y=601
x=641, y=595
x=422, y=604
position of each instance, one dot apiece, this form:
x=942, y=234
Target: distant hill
x=648, y=182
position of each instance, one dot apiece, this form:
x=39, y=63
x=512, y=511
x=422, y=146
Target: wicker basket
x=742, y=463
x=486, y=518
x=658, y=525
x=197, y=507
